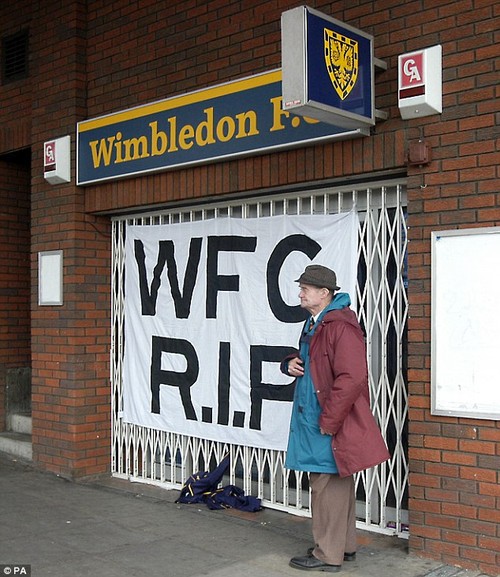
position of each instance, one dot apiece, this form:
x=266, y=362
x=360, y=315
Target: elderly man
x=332, y=431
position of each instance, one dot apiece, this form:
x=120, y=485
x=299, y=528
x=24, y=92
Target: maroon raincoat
x=340, y=376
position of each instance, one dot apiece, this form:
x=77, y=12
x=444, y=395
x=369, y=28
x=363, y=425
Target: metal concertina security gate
x=167, y=459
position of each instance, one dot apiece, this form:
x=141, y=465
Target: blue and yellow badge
x=328, y=69
x=340, y=66
x=341, y=59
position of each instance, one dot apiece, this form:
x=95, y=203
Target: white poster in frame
x=50, y=278
x=465, y=333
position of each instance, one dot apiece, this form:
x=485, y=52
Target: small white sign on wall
x=50, y=277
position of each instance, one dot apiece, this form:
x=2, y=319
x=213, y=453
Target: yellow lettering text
x=186, y=134
x=173, y=134
x=251, y=116
x=159, y=140
x=226, y=128
x=135, y=148
x=205, y=130
x=118, y=148
x=101, y=151
x=277, y=114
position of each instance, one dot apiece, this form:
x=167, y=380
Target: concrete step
x=16, y=444
x=19, y=424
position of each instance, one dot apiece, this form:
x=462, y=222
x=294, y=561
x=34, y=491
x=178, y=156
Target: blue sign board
x=239, y=118
x=328, y=69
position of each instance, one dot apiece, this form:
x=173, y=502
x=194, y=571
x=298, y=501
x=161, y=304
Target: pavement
x=110, y=527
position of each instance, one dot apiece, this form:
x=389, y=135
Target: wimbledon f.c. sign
x=238, y=118
x=327, y=69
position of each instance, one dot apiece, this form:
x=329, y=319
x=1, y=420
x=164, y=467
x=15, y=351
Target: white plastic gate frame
x=167, y=459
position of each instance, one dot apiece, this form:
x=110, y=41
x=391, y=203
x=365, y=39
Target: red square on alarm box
x=49, y=158
x=411, y=70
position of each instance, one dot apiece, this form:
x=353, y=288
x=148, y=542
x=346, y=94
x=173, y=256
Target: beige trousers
x=333, y=516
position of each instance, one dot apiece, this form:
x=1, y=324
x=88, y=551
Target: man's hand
x=295, y=367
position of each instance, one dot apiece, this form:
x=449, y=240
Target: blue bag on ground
x=202, y=487
x=231, y=496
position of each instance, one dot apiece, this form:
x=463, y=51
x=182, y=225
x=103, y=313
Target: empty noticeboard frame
x=50, y=277
x=465, y=367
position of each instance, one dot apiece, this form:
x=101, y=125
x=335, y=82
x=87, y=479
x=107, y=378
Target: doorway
x=15, y=294
x=167, y=459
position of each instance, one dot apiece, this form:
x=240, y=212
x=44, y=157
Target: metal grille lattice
x=167, y=459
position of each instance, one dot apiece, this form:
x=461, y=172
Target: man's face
x=313, y=298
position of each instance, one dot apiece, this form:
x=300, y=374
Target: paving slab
x=111, y=527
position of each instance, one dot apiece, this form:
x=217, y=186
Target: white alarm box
x=420, y=90
x=57, y=160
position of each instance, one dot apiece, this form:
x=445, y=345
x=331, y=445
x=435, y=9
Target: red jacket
x=340, y=376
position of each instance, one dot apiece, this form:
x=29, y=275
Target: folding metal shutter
x=167, y=459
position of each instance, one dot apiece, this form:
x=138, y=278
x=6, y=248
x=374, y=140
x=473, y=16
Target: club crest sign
x=341, y=59
x=328, y=69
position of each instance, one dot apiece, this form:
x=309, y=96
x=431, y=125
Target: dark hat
x=320, y=276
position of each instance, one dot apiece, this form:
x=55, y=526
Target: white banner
x=211, y=308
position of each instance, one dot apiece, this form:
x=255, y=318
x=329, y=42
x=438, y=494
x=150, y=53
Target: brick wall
x=138, y=55
x=15, y=112
x=455, y=479
x=70, y=351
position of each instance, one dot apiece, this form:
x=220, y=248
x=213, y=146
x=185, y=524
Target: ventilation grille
x=15, y=57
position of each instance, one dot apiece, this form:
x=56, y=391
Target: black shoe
x=311, y=563
x=347, y=556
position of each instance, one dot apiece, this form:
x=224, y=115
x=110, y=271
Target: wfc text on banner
x=211, y=309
